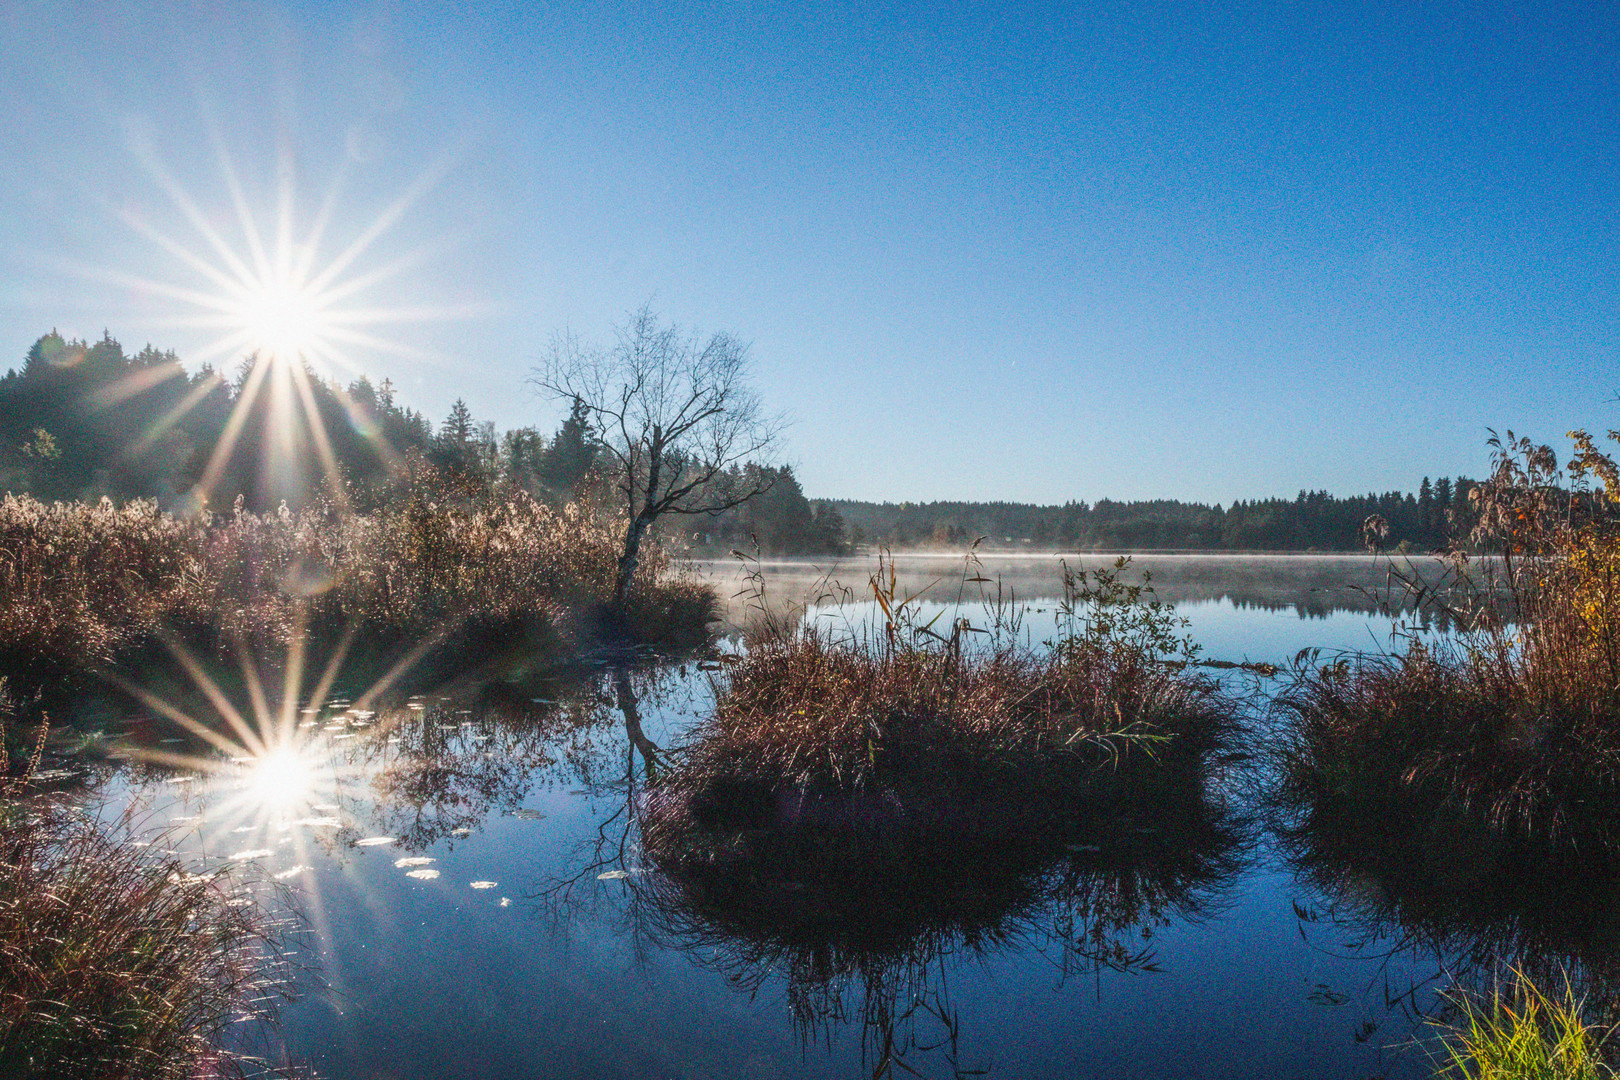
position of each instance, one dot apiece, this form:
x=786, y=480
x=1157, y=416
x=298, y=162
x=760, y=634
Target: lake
x=469, y=868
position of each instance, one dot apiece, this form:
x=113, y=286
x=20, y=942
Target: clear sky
x=981, y=251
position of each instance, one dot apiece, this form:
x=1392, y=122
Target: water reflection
x=676, y=931
x=1466, y=903
x=859, y=912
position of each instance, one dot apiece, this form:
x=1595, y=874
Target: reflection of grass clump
x=1519, y=720
x=1519, y=1032
x=1401, y=876
x=90, y=582
x=114, y=963
x=855, y=810
x=846, y=893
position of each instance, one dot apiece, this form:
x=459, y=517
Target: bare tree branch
x=675, y=414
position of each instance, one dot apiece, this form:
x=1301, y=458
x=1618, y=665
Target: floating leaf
x=253, y=853
x=461, y=832
x=413, y=860
x=506, y=901
x=484, y=884
x=289, y=872
x=422, y=875
x=374, y=841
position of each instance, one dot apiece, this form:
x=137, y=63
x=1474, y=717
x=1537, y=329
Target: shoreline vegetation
x=86, y=587
x=907, y=724
x=118, y=959
x=1515, y=719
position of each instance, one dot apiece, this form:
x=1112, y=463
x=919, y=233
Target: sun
x=282, y=320
x=279, y=778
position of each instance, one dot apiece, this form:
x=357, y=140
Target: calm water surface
x=536, y=939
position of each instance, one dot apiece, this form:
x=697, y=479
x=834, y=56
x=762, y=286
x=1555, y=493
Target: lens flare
x=275, y=290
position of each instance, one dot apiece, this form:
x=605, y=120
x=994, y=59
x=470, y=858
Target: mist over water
x=1240, y=607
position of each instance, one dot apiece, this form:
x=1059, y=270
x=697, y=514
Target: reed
x=84, y=585
x=908, y=709
x=118, y=963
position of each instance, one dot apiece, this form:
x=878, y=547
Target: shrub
x=1517, y=719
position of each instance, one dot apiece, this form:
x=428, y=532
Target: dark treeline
x=1311, y=520
x=82, y=420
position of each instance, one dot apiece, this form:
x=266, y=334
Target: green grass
x=1520, y=1032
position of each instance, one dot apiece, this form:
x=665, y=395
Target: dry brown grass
x=907, y=709
x=82, y=584
x=810, y=712
x=1517, y=720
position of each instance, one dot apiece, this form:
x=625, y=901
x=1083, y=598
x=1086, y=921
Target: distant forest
x=83, y=420
x=1312, y=520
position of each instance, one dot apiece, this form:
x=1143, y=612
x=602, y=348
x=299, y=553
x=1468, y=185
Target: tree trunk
x=632, y=721
x=628, y=561
x=638, y=524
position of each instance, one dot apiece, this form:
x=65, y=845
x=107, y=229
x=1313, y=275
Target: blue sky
x=981, y=251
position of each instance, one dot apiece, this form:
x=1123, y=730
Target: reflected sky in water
x=549, y=943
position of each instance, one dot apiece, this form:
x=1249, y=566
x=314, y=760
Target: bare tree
x=674, y=414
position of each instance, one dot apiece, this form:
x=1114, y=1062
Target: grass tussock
x=907, y=713
x=115, y=963
x=1517, y=720
x=813, y=713
x=1520, y=1032
x=83, y=583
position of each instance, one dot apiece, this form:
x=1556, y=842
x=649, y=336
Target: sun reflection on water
x=280, y=778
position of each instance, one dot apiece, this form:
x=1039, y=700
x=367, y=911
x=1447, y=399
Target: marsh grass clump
x=906, y=714
x=116, y=963
x=1520, y=1032
x=1517, y=718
